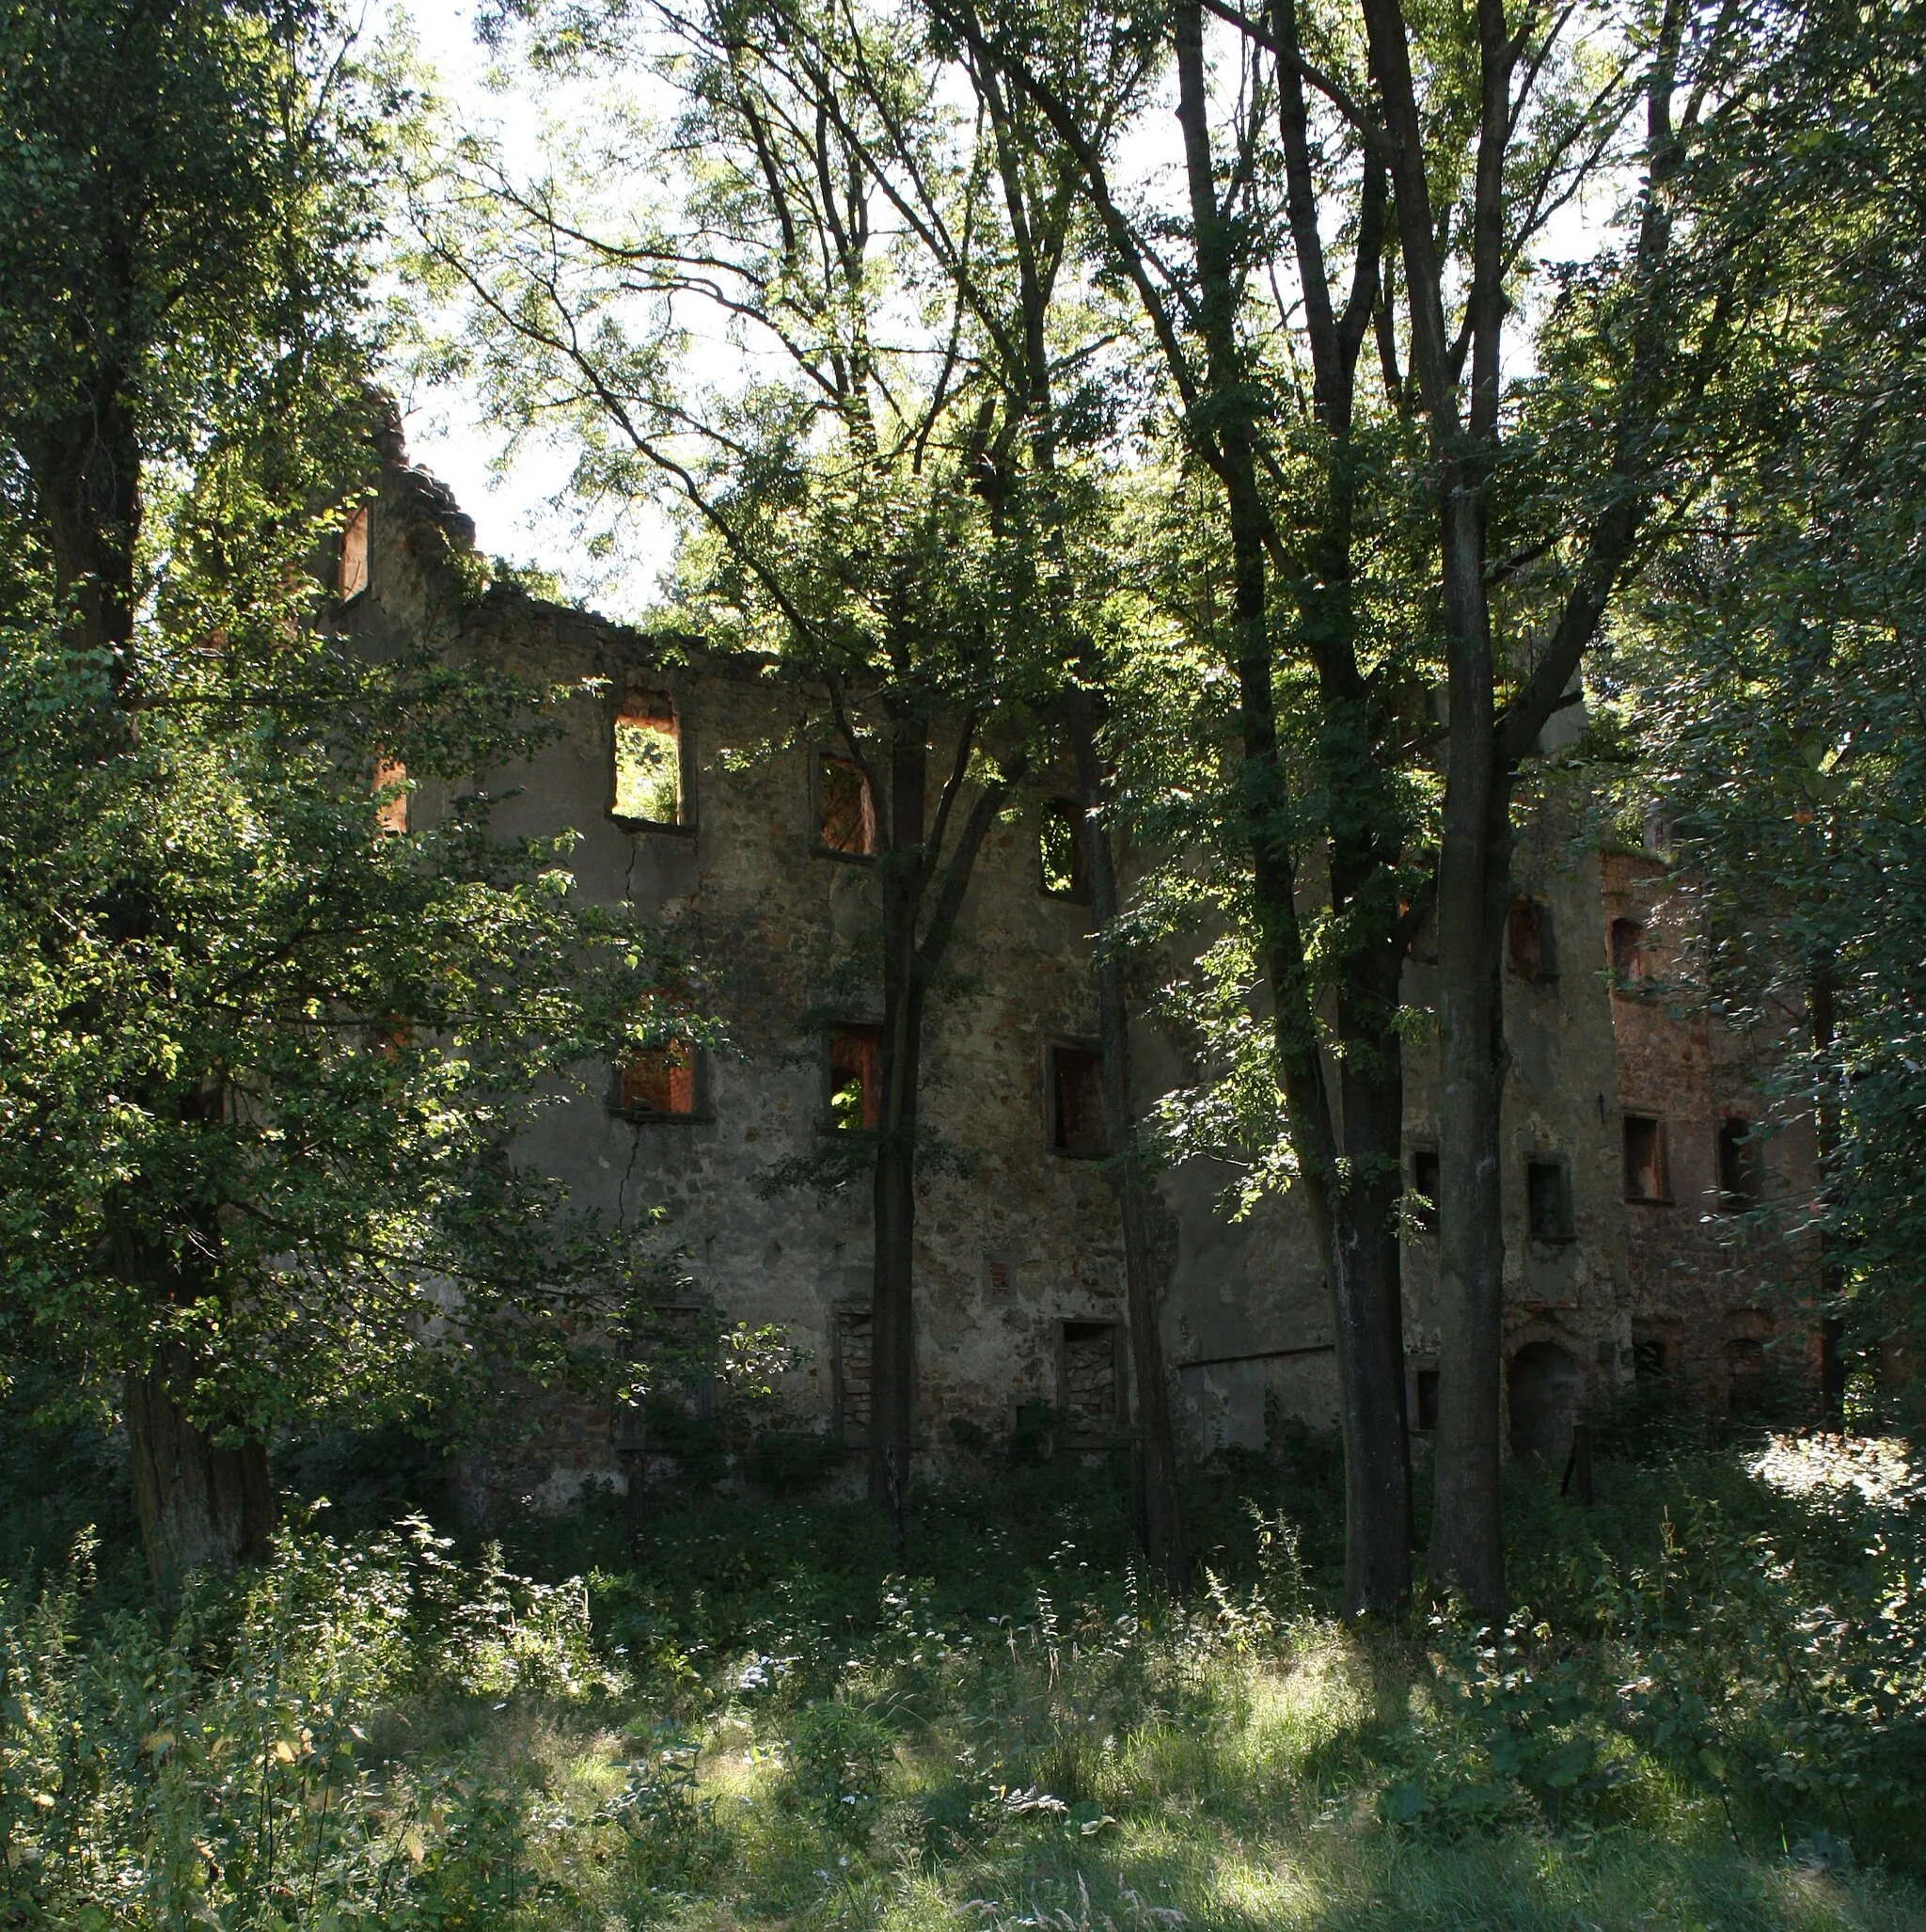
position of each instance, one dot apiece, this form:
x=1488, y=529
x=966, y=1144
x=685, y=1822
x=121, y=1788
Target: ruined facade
x=707, y=790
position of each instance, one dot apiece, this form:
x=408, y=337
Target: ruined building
x=710, y=789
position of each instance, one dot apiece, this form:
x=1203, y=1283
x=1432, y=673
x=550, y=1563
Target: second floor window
x=1076, y=1101
x=856, y=1077
x=1060, y=850
x=660, y=1082
x=846, y=812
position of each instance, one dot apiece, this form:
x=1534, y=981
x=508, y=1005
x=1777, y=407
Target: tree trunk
x=900, y=873
x=200, y=1506
x=86, y=476
x=1160, y=1498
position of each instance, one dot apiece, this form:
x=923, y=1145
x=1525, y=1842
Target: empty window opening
x=1528, y=935
x=1741, y=1160
x=648, y=761
x=391, y=814
x=661, y=1081
x=1090, y=1394
x=846, y=812
x=1548, y=1200
x=855, y=1078
x=1645, y=1158
x=1075, y=1100
x=1650, y=1359
x=351, y=577
x=1428, y=1399
x=1425, y=1187
x=1747, y=1376
x=1059, y=850
x=855, y=1352
x=1628, y=950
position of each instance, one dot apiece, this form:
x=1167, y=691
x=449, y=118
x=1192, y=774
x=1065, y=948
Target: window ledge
x=1649, y=1200
x=670, y=829
x=819, y=851
x=644, y=1116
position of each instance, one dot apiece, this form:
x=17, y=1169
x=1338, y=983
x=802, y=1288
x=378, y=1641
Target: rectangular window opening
x=1091, y=1391
x=392, y=814
x=856, y=1083
x=855, y=1352
x=1060, y=850
x=1648, y=1362
x=351, y=576
x=1548, y=1200
x=1425, y=1188
x=1529, y=941
x=661, y=1082
x=1645, y=1158
x=1076, y=1101
x=1741, y=1159
x=846, y=812
x=648, y=761
x=1628, y=951
x=1428, y=1399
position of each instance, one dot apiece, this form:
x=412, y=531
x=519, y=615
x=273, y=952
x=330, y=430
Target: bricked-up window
x=1627, y=949
x=855, y=1351
x=846, y=812
x=660, y=1081
x=856, y=1077
x=1645, y=1158
x=392, y=814
x=1425, y=1187
x=1529, y=933
x=1060, y=850
x=1428, y=1399
x=1090, y=1393
x=1741, y=1160
x=1075, y=1100
x=1548, y=1200
x=351, y=576
x=648, y=761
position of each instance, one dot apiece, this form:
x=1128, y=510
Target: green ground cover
x=1709, y=1715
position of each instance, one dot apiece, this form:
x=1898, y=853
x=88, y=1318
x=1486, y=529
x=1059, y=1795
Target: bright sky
x=522, y=506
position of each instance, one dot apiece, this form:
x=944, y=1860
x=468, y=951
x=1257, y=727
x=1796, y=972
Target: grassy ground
x=1711, y=1715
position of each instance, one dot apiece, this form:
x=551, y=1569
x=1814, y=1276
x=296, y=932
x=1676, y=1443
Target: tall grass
x=1712, y=1713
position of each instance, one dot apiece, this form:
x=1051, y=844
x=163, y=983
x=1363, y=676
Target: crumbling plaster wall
x=1013, y=1238
x=1707, y=1287
x=1559, y=1106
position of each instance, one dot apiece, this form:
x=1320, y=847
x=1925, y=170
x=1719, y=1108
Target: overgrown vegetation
x=1709, y=1714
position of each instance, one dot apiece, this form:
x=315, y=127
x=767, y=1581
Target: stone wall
x=1019, y=1279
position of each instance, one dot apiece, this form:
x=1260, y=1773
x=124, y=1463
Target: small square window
x=1548, y=1200
x=1529, y=941
x=1075, y=1100
x=1427, y=1380
x=392, y=814
x=846, y=812
x=660, y=1082
x=1741, y=1160
x=856, y=1081
x=1060, y=850
x=1090, y=1391
x=1425, y=1188
x=1628, y=951
x=351, y=576
x=1645, y=1158
x=648, y=761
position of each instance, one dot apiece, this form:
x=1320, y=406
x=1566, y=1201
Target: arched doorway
x=1546, y=1386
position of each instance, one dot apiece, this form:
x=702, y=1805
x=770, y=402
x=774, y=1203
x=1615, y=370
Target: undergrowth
x=1710, y=1714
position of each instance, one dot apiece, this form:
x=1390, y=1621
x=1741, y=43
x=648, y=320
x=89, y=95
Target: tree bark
x=200, y=1506
x=1166, y=1548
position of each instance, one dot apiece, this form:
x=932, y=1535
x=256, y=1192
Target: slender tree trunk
x=1165, y=1544
x=893, y=1369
